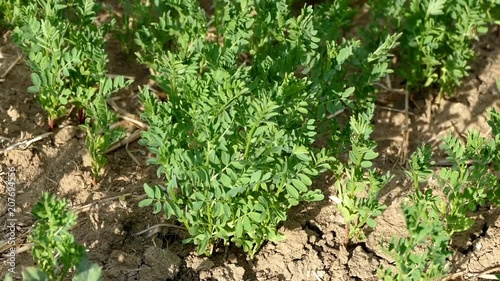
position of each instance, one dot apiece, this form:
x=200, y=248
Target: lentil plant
x=234, y=139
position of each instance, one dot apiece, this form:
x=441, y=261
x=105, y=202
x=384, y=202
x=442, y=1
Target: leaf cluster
x=54, y=248
x=246, y=89
x=437, y=37
x=65, y=50
x=359, y=184
x=97, y=124
x=471, y=181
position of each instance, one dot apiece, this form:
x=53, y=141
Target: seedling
x=436, y=45
x=54, y=248
x=100, y=136
x=432, y=220
x=359, y=184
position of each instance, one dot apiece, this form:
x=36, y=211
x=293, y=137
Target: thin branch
x=132, y=156
x=10, y=67
x=26, y=143
x=156, y=228
x=131, y=138
x=87, y=207
x=394, y=109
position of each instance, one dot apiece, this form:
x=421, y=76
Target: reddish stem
x=51, y=124
x=94, y=181
x=81, y=116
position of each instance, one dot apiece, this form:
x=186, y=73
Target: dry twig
x=156, y=228
x=87, y=207
x=2, y=77
x=26, y=143
x=131, y=138
x=406, y=131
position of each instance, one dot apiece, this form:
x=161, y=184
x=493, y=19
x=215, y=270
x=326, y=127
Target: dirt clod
x=159, y=264
x=65, y=134
x=228, y=272
x=362, y=264
x=199, y=264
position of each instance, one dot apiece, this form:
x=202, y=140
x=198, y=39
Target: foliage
x=431, y=219
x=9, y=12
x=360, y=184
x=65, y=51
x=436, y=45
x=422, y=255
x=234, y=139
x=54, y=247
x=99, y=134
x=134, y=15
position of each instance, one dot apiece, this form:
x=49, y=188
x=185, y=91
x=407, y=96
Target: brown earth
x=314, y=248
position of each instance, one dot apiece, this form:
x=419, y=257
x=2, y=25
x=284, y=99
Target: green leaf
x=255, y=176
x=35, y=79
x=156, y=207
x=239, y=228
x=299, y=185
x=145, y=202
x=149, y=191
x=34, y=274
x=8, y=277
x=436, y=7
x=226, y=180
x=302, y=153
x=292, y=191
x=86, y=272
x=256, y=217
x=371, y=222
x=305, y=179
x=370, y=155
x=366, y=164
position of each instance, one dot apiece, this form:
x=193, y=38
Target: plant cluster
x=359, y=184
x=134, y=14
x=65, y=51
x=54, y=248
x=433, y=218
x=251, y=90
x=437, y=35
x=247, y=89
x=9, y=12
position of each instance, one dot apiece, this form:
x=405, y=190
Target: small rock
x=233, y=259
x=65, y=134
x=87, y=160
x=199, y=263
x=13, y=113
x=362, y=264
x=228, y=272
x=160, y=264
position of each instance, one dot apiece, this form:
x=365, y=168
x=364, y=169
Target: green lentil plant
x=9, y=12
x=246, y=91
x=65, y=51
x=97, y=125
x=432, y=220
x=422, y=254
x=436, y=45
x=54, y=248
x=134, y=15
x=358, y=184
